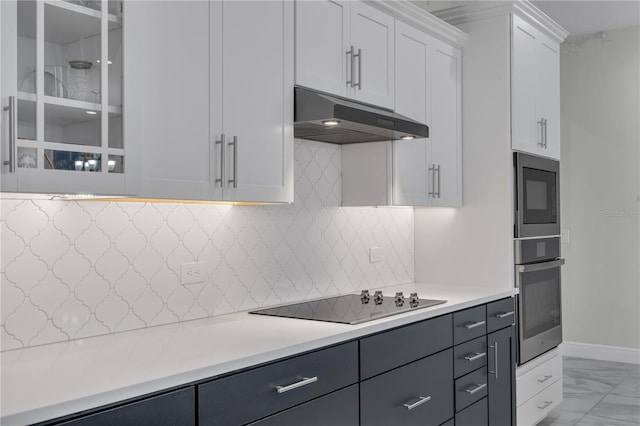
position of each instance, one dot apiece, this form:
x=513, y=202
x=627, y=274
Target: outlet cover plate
x=192, y=272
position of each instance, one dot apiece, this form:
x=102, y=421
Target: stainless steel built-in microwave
x=537, y=209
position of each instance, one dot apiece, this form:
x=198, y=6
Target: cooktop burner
x=350, y=308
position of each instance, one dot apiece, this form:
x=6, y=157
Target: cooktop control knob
x=378, y=297
x=364, y=296
x=399, y=299
x=413, y=300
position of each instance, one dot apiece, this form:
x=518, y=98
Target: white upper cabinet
x=62, y=98
x=345, y=48
x=212, y=102
x=428, y=88
x=535, y=91
x=421, y=172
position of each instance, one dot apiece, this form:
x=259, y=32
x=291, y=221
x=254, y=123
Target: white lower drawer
x=538, y=378
x=537, y=408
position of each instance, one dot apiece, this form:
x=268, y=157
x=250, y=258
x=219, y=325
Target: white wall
x=600, y=192
x=76, y=269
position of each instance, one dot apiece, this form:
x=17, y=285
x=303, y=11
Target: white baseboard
x=601, y=352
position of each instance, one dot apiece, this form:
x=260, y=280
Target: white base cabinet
x=538, y=387
x=345, y=48
x=211, y=108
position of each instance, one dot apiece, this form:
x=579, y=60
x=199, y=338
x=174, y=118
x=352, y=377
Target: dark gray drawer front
x=403, y=345
x=449, y=423
x=336, y=409
x=382, y=397
x=176, y=408
x=469, y=356
x=476, y=414
x=471, y=388
x=500, y=314
x=469, y=324
x=252, y=395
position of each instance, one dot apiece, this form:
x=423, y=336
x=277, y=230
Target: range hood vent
x=327, y=118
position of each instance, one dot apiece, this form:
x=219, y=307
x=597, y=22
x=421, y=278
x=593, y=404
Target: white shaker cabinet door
x=445, y=132
x=168, y=88
x=322, y=42
x=9, y=75
x=548, y=92
x=257, y=96
x=526, y=132
x=411, y=174
x=372, y=34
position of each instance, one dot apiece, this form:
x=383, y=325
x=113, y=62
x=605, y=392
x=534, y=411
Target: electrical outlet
x=192, y=273
x=375, y=255
x=565, y=236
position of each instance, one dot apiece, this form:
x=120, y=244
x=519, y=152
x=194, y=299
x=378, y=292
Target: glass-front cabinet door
x=62, y=97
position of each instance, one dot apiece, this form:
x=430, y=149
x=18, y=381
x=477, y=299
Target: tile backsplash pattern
x=77, y=269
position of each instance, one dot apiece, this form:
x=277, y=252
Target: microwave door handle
x=540, y=266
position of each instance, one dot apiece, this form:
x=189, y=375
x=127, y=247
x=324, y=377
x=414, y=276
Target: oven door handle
x=533, y=267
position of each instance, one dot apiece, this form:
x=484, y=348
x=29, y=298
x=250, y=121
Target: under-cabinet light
x=91, y=112
x=408, y=138
x=331, y=123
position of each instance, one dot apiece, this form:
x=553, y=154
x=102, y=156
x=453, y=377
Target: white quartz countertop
x=45, y=382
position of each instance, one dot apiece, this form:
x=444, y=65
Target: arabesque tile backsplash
x=77, y=269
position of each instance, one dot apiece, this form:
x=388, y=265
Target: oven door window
x=540, y=301
x=539, y=196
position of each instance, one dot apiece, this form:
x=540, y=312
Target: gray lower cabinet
x=502, y=377
x=474, y=415
x=339, y=408
x=177, y=408
x=419, y=393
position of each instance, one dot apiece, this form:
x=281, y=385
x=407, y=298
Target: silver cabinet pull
x=472, y=325
x=234, y=144
x=351, y=73
x=544, y=378
x=505, y=314
x=421, y=400
x=544, y=405
x=359, y=55
x=432, y=169
x=222, y=162
x=438, y=170
x=545, y=133
x=304, y=382
x=476, y=388
x=476, y=356
x=495, y=359
x=11, y=162
x=540, y=266
x=541, y=138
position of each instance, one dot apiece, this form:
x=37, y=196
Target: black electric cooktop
x=350, y=308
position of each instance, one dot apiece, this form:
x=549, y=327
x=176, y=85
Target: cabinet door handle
x=472, y=325
x=544, y=405
x=359, y=55
x=545, y=378
x=438, y=170
x=221, y=142
x=234, y=143
x=476, y=388
x=476, y=356
x=421, y=400
x=541, y=138
x=505, y=314
x=11, y=162
x=433, y=184
x=304, y=382
x=351, y=71
x=495, y=359
x=545, y=133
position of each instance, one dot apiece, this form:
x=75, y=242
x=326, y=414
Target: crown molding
x=474, y=11
x=422, y=20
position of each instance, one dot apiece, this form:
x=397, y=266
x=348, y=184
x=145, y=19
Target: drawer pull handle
x=476, y=388
x=421, y=400
x=545, y=404
x=505, y=314
x=305, y=381
x=476, y=356
x=473, y=325
x=544, y=378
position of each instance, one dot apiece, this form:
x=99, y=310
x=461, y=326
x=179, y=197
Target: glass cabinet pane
x=26, y=47
x=115, y=75
x=72, y=125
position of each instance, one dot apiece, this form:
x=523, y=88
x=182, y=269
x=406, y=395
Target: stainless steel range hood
x=327, y=118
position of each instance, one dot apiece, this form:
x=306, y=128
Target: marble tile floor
x=599, y=393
